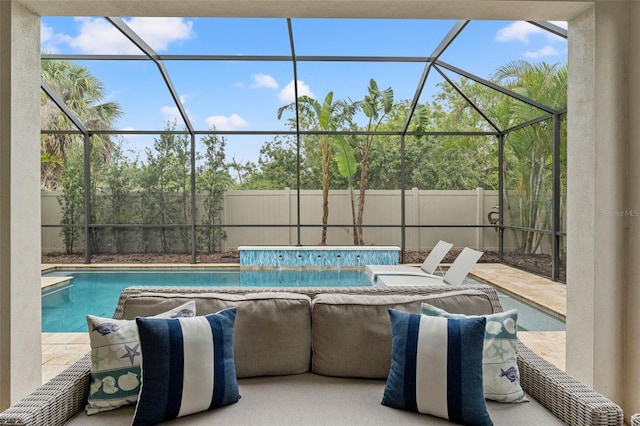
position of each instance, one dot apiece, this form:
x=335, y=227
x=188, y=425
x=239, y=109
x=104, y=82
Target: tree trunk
x=326, y=159
x=353, y=216
x=364, y=169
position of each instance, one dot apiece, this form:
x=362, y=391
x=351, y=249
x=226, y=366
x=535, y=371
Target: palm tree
x=528, y=160
x=529, y=151
x=83, y=93
x=376, y=105
x=347, y=167
x=327, y=116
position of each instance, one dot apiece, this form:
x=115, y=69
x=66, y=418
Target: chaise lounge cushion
x=352, y=333
x=263, y=342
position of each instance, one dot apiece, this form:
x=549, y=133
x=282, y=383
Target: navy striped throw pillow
x=187, y=366
x=436, y=367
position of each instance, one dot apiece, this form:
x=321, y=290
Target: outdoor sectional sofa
x=316, y=356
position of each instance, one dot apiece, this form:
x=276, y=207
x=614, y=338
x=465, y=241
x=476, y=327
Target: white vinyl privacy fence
x=272, y=218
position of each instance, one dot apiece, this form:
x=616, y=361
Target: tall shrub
x=213, y=179
x=72, y=198
x=164, y=181
x=118, y=182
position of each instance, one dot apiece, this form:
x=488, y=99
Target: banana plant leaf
x=345, y=158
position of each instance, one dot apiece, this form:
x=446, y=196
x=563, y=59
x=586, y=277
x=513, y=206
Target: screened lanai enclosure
x=199, y=135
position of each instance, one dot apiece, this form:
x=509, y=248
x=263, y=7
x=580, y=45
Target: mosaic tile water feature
x=317, y=256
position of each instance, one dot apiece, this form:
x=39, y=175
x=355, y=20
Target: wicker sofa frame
x=56, y=401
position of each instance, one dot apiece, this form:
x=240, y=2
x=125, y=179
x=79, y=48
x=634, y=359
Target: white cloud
x=46, y=33
x=160, y=32
x=132, y=136
x=98, y=36
x=544, y=51
x=222, y=122
x=522, y=31
x=518, y=30
x=170, y=113
x=264, y=80
x=287, y=94
x=112, y=96
x=49, y=39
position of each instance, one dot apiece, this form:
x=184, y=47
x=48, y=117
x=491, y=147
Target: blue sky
x=245, y=95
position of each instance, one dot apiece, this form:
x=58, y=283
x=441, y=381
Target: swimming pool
x=530, y=318
x=96, y=292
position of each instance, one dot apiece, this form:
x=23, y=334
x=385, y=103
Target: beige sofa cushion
x=264, y=339
x=351, y=335
x=467, y=302
x=310, y=399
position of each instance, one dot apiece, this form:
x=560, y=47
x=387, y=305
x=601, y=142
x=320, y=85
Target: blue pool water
x=531, y=318
x=96, y=292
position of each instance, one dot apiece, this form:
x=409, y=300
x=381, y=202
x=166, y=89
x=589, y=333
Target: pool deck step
x=49, y=282
x=60, y=350
x=542, y=292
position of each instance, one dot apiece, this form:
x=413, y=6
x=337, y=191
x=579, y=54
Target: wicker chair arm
x=570, y=400
x=55, y=402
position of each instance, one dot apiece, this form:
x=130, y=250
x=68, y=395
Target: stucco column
x=20, y=317
x=631, y=309
x=597, y=203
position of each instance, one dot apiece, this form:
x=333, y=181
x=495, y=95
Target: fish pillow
x=116, y=358
x=500, y=374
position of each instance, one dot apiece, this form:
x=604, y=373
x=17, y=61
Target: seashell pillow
x=500, y=374
x=116, y=358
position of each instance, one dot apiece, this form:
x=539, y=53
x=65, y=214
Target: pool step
x=51, y=282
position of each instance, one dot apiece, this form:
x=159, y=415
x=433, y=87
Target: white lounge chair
x=427, y=269
x=455, y=275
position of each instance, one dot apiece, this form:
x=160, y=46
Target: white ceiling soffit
x=553, y=10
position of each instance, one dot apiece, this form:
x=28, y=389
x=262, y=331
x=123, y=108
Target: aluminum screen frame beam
x=63, y=106
x=294, y=64
x=121, y=26
x=439, y=50
x=496, y=87
x=429, y=61
x=467, y=99
x=552, y=28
